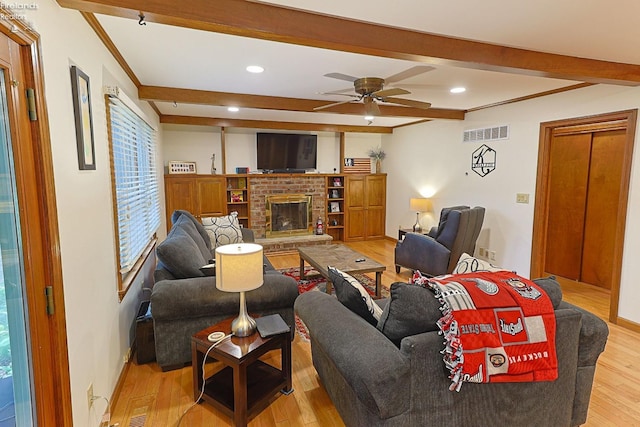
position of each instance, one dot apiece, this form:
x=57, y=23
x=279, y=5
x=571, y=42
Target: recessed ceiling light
x=369, y=118
x=255, y=69
x=233, y=109
x=458, y=89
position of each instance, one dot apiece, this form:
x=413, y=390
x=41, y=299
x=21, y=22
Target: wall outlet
x=90, y=395
x=492, y=255
x=482, y=252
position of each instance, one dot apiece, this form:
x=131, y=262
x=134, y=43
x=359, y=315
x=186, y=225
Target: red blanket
x=498, y=327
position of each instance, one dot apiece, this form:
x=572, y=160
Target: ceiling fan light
x=458, y=89
x=233, y=109
x=256, y=69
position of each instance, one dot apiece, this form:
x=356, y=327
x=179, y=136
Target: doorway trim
x=40, y=234
x=617, y=120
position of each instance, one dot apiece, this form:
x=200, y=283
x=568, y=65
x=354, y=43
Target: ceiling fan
x=371, y=90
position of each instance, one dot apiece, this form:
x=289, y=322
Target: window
x=136, y=194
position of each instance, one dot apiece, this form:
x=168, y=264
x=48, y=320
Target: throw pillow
x=223, y=230
x=179, y=213
x=469, y=264
x=189, y=227
x=180, y=255
x=354, y=296
x=411, y=310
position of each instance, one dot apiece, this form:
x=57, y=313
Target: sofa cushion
x=469, y=264
x=179, y=254
x=412, y=309
x=354, y=296
x=178, y=213
x=189, y=227
x=223, y=230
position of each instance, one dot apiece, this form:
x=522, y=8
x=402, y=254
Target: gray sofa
x=182, y=306
x=373, y=382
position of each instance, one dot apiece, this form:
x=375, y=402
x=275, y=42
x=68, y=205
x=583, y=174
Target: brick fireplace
x=273, y=185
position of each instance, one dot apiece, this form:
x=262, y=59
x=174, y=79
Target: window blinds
x=136, y=186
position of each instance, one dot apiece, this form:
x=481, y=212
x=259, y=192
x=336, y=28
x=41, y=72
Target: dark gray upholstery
x=182, y=307
x=437, y=253
x=374, y=383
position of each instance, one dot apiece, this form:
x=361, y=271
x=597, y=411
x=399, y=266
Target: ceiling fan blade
x=390, y=92
x=408, y=102
x=340, y=92
x=371, y=107
x=413, y=71
x=341, y=76
x=322, y=107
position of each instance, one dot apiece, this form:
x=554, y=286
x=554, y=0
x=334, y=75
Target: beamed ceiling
x=188, y=58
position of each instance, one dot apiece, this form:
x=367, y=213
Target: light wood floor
x=150, y=397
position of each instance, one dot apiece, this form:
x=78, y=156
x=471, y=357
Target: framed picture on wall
x=335, y=207
x=84, y=120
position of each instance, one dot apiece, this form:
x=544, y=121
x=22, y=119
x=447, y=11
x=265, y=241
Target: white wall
x=99, y=327
x=431, y=156
x=197, y=143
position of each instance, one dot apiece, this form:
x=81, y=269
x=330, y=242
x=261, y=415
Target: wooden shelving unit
x=335, y=207
x=238, y=198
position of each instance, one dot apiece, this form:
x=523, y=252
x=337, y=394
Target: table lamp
x=239, y=268
x=419, y=205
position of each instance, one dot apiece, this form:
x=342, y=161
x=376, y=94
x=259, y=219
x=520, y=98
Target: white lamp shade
x=420, y=205
x=239, y=267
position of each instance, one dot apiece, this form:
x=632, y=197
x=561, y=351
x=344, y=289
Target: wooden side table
x=246, y=385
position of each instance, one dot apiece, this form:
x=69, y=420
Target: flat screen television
x=284, y=151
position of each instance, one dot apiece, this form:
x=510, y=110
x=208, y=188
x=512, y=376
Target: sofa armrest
x=248, y=235
x=593, y=335
x=369, y=362
x=420, y=252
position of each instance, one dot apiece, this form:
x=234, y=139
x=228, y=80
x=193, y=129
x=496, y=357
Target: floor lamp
x=419, y=205
x=239, y=268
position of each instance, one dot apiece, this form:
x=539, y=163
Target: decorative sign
x=483, y=160
x=357, y=165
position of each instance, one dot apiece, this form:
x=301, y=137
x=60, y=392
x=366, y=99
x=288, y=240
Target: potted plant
x=378, y=155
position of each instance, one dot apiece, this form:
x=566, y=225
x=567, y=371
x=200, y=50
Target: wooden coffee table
x=246, y=385
x=341, y=257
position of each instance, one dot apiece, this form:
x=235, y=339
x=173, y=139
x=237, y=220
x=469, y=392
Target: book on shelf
x=237, y=196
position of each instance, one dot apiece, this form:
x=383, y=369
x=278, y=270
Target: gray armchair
x=438, y=252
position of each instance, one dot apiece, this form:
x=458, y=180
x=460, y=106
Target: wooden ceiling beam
x=269, y=22
x=263, y=124
x=203, y=97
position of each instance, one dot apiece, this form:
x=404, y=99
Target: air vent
x=486, y=134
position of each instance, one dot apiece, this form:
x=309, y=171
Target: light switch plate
x=522, y=198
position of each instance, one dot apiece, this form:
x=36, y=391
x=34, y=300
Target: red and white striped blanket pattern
x=498, y=327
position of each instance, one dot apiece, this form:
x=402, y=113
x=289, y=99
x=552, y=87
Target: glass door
x=16, y=408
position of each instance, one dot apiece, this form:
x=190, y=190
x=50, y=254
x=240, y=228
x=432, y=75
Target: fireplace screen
x=288, y=215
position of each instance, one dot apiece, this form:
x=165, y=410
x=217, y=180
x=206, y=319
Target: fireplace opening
x=288, y=215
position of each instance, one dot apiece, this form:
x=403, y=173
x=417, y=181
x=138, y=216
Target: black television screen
x=282, y=151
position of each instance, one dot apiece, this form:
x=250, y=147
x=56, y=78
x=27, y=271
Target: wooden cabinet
x=365, y=206
x=202, y=195
x=335, y=207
